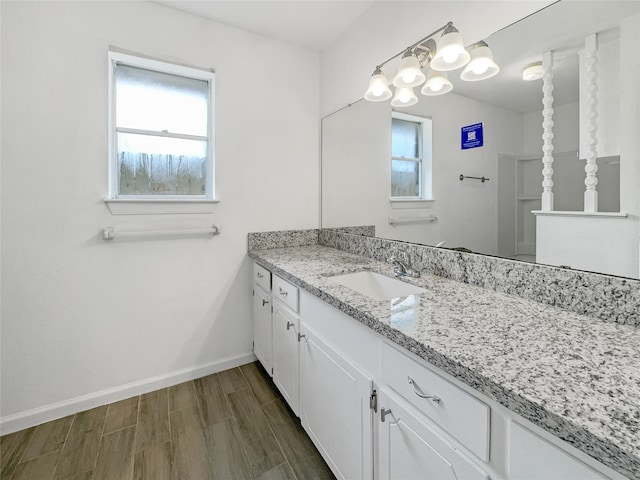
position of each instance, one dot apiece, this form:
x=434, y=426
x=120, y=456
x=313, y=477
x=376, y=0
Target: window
x=161, y=130
x=410, y=157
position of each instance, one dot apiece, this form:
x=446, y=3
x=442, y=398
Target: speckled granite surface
x=609, y=298
x=297, y=238
x=575, y=376
x=282, y=238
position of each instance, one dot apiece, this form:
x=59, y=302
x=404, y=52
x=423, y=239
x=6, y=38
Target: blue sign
x=471, y=136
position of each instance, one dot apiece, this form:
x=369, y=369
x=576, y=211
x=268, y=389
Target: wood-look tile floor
x=230, y=425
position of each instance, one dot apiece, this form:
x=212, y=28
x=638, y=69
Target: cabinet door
x=408, y=448
x=262, y=337
x=286, y=366
x=334, y=408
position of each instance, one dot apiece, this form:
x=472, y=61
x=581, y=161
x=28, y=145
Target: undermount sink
x=376, y=286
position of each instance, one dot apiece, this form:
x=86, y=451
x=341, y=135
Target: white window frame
x=116, y=58
x=424, y=161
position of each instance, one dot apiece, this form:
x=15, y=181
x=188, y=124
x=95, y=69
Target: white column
x=547, y=133
x=591, y=168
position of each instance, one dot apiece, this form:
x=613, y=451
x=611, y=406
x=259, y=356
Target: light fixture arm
x=481, y=43
x=411, y=47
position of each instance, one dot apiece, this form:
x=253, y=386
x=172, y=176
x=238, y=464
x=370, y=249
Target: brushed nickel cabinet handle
x=264, y=302
x=283, y=292
x=383, y=413
x=289, y=325
x=418, y=392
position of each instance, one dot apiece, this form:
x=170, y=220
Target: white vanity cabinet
x=410, y=448
x=335, y=407
x=339, y=376
x=262, y=323
x=286, y=341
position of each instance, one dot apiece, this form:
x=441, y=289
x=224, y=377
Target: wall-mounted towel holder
x=394, y=221
x=109, y=233
x=482, y=179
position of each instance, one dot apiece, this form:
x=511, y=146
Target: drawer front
x=262, y=277
x=285, y=292
x=463, y=416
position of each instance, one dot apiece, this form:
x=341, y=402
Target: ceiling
x=310, y=23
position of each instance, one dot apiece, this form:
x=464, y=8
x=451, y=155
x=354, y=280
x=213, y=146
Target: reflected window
x=161, y=130
x=410, y=157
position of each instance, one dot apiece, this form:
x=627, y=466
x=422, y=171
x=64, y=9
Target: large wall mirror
x=494, y=216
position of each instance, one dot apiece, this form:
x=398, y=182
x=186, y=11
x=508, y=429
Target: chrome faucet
x=403, y=267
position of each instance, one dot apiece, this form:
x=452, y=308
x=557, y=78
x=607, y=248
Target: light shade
x=450, y=53
x=378, y=90
x=533, y=71
x=481, y=65
x=409, y=72
x=437, y=83
x=404, y=97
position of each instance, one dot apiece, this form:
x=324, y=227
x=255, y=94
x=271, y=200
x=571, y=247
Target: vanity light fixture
x=451, y=53
x=409, y=72
x=404, y=97
x=481, y=65
x=437, y=83
x=447, y=54
x=533, y=71
x=378, y=90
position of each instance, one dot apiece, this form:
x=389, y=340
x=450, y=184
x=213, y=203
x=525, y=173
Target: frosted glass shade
x=378, y=90
x=409, y=72
x=450, y=53
x=481, y=65
x=437, y=84
x=533, y=71
x=404, y=97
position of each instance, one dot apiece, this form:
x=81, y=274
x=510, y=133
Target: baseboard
x=36, y=416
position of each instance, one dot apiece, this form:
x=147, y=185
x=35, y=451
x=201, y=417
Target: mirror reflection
x=406, y=171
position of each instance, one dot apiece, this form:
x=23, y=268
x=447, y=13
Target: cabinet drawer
x=262, y=277
x=285, y=292
x=461, y=415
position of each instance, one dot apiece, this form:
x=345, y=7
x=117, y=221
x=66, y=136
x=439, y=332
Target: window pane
x=405, y=138
x=405, y=176
x=156, y=101
x=151, y=165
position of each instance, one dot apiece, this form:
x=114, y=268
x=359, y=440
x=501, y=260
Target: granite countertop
x=575, y=376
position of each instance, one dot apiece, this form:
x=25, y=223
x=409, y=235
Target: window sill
x=133, y=206
x=410, y=203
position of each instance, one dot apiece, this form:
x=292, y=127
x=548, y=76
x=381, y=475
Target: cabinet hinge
x=373, y=401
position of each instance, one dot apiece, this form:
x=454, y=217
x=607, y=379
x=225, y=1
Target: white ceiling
x=307, y=23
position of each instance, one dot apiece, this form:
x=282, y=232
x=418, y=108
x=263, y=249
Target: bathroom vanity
x=455, y=382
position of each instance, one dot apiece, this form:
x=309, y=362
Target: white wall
x=597, y=244
x=84, y=321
